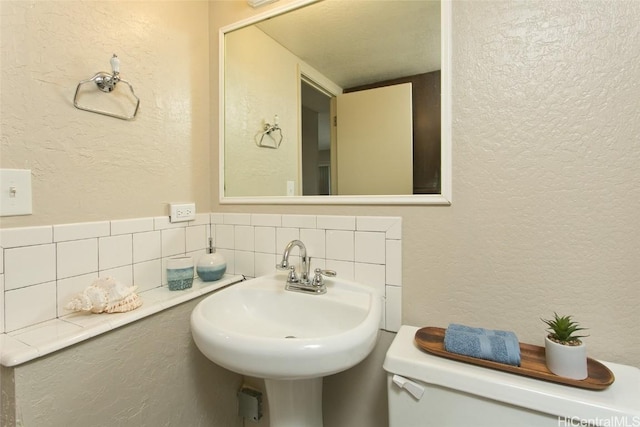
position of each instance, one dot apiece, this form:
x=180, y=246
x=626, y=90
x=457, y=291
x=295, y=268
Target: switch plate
x=180, y=212
x=15, y=192
x=290, y=188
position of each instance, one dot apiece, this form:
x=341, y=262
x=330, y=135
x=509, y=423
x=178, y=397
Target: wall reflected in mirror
x=299, y=65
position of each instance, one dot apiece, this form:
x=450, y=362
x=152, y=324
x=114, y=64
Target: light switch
x=15, y=192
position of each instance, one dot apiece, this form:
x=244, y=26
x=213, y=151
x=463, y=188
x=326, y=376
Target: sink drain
x=290, y=336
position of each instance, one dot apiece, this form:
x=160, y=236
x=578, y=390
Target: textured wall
x=262, y=83
x=148, y=373
x=546, y=184
x=546, y=128
x=87, y=166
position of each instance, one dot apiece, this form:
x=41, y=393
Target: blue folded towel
x=489, y=344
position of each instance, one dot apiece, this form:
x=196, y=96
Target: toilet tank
x=426, y=390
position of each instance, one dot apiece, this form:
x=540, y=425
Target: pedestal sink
x=290, y=339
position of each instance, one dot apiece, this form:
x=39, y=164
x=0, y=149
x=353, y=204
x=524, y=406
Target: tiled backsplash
x=43, y=267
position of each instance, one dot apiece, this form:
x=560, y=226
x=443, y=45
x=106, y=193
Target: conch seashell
x=106, y=295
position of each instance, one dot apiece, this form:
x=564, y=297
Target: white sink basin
x=257, y=328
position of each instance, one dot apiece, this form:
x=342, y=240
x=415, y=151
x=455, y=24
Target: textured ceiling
x=356, y=42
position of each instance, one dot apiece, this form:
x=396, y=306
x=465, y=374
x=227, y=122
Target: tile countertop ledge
x=35, y=341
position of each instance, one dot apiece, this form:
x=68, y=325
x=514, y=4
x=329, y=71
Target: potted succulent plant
x=565, y=353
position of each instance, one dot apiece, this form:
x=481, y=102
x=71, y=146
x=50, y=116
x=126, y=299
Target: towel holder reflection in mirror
x=107, y=82
x=273, y=140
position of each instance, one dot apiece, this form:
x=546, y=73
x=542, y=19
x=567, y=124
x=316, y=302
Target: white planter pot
x=566, y=360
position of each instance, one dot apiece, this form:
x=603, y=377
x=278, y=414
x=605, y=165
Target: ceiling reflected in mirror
x=354, y=43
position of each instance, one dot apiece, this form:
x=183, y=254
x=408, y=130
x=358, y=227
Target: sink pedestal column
x=295, y=403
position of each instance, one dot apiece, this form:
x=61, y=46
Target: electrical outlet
x=182, y=212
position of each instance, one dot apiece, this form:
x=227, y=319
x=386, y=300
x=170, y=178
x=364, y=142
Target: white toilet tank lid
x=619, y=401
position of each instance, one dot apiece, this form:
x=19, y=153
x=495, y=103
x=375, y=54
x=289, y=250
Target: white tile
x=318, y=263
x=196, y=238
x=299, y=221
x=244, y=263
x=50, y=334
x=70, y=287
x=376, y=223
x=244, y=238
x=340, y=245
x=30, y=305
x=164, y=222
x=216, y=218
x=370, y=247
x=147, y=275
x=393, y=308
x=123, y=274
x=1, y=304
x=228, y=255
x=25, y=236
x=265, y=240
x=371, y=275
x=173, y=242
x=315, y=242
x=201, y=219
x=196, y=255
x=264, y=264
x=90, y=322
x=266, y=220
x=160, y=295
x=77, y=257
x=134, y=225
x=237, y=218
x=373, y=223
x=284, y=236
x=115, y=251
x=336, y=222
x=344, y=269
x=15, y=352
x=395, y=232
x=224, y=236
x=82, y=230
x=29, y=265
x=147, y=246
x=394, y=262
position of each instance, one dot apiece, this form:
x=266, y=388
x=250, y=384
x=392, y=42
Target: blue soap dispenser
x=212, y=265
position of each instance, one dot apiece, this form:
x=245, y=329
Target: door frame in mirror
x=445, y=196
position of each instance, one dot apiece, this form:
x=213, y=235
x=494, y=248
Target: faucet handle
x=328, y=273
x=293, y=276
x=317, y=278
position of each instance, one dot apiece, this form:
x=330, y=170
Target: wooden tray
x=532, y=362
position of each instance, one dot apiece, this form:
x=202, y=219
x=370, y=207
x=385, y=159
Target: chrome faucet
x=306, y=263
x=303, y=283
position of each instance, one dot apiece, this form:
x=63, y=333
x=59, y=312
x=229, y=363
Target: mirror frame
x=445, y=196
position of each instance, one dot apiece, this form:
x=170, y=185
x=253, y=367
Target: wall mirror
x=311, y=89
